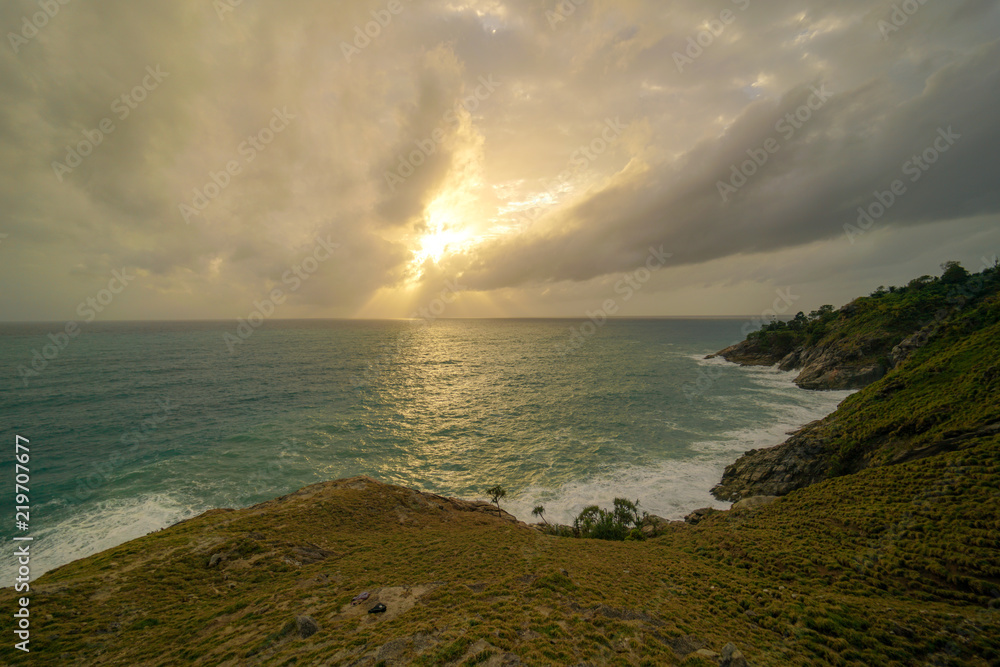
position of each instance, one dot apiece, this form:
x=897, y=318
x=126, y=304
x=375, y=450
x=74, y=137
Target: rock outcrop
x=831, y=367
x=699, y=515
x=306, y=626
x=778, y=470
x=753, y=502
x=909, y=345
x=747, y=353
x=804, y=459
x=825, y=367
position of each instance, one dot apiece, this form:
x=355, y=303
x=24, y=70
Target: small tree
x=539, y=511
x=497, y=493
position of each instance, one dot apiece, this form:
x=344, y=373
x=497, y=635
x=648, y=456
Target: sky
x=499, y=158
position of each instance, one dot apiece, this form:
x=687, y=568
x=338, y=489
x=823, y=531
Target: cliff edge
x=930, y=391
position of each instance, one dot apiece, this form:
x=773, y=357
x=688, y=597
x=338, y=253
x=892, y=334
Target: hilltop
x=893, y=564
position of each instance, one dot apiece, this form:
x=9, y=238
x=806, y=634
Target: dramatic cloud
x=533, y=153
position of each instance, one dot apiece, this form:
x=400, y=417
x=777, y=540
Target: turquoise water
x=134, y=426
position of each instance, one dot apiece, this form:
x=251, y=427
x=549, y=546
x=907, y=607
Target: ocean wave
x=675, y=487
x=92, y=529
x=671, y=489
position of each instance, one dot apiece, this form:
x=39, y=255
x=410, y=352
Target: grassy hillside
x=895, y=565
x=947, y=389
x=869, y=327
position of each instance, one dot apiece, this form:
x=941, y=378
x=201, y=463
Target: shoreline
x=695, y=474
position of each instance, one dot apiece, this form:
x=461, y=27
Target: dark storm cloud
x=559, y=81
x=856, y=142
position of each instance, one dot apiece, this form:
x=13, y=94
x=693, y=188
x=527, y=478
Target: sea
x=131, y=427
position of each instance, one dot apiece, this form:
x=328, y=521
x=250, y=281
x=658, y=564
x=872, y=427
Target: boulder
x=653, y=525
x=699, y=514
x=686, y=645
x=753, y=502
x=732, y=657
x=306, y=626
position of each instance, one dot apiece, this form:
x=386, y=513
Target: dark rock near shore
x=821, y=368
x=790, y=361
x=804, y=459
x=776, y=471
x=747, y=353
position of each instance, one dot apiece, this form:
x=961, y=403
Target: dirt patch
x=397, y=600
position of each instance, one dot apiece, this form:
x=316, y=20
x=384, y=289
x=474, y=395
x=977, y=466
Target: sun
x=436, y=243
x=447, y=232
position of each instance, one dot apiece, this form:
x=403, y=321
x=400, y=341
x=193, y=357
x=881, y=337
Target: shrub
x=954, y=273
x=616, y=524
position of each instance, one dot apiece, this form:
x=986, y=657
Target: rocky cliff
x=776, y=471
x=839, y=363
x=931, y=391
x=836, y=364
x=858, y=344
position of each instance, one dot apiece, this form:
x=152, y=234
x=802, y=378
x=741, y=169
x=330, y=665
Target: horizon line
x=395, y=319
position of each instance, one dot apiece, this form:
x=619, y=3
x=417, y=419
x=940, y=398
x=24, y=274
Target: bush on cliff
x=621, y=523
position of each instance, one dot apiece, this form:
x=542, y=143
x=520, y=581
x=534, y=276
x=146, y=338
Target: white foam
x=671, y=490
x=806, y=406
x=94, y=528
x=714, y=361
x=675, y=488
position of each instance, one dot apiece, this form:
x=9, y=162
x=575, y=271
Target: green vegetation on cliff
x=939, y=393
x=947, y=389
x=869, y=327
